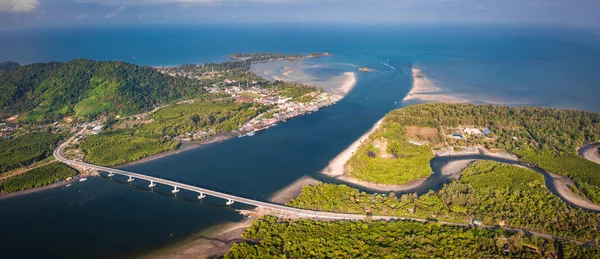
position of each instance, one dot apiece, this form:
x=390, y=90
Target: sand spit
x=214, y=242
x=347, y=83
x=286, y=194
x=425, y=90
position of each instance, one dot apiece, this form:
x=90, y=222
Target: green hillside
x=45, y=92
x=8, y=65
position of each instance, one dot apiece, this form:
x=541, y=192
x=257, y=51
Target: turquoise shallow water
x=100, y=219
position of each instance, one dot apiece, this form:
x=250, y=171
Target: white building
x=472, y=131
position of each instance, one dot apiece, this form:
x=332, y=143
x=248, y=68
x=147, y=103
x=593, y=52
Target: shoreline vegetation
x=489, y=192
x=272, y=101
x=478, y=195
x=124, y=127
x=529, y=139
x=272, y=237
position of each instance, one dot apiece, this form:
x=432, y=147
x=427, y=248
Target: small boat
x=250, y=134
x=83, y=179
x=68, y=185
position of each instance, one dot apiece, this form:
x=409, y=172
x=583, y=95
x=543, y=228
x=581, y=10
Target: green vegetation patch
x=493, y=193
x=305, y=238
x=199, y=116
x=544, y=137
x=45, y=92
x=122, y=146
x=41, y=176
x=116, y=147
x=387, y=157
x=26, y=149
x=297, y=92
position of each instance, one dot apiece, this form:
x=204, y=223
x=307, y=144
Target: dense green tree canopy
x=44, y=175
x=491, y=192
x=26, y=149
x=85, y=88
x=273, y=238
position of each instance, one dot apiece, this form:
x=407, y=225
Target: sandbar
x=425, y=90
x=291, y=191
x=213, y=242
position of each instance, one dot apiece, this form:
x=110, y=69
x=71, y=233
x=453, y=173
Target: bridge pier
x=201, y=196
x=175, y=190
x=152, y=184
x=229, y=202
x=111, y=174
x=131, y=179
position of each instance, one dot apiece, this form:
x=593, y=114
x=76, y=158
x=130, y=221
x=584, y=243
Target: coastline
x=185, y=146
x=212, y=242
x=291, y=191
x=348, y=83
x=34, y=190
x=425, y=90
x=337, y=166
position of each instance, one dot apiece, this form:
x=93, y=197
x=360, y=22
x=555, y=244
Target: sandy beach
x=291, y=191
x=348, y=81
x=337, y=166
x=213, y=242
x=590, y=152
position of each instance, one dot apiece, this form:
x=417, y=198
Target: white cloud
x=114, y=13
x=17, y=6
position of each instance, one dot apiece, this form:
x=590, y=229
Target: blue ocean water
x=100, y=219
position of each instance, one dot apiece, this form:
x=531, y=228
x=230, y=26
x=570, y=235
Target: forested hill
x=45, y=92
x=8, y=65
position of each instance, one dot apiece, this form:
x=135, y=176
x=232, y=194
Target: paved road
x=272, y=206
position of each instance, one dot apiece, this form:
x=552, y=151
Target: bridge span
x=202, y=192
x=272, y=206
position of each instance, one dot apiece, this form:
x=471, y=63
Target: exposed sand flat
x=561, y=183
x=349, y=81
x=590, y=152
x=425, y=90
x=214, y=242
x=294, y=72
x=293, y=190
x=337, y=166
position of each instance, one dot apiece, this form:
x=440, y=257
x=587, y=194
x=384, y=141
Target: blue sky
x=28, y=13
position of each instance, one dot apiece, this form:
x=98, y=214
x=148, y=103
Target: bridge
x=202, y=192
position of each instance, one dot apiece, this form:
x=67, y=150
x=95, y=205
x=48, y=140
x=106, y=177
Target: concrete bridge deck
x=277, y=207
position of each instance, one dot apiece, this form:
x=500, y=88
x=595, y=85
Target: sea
x=102, y=218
